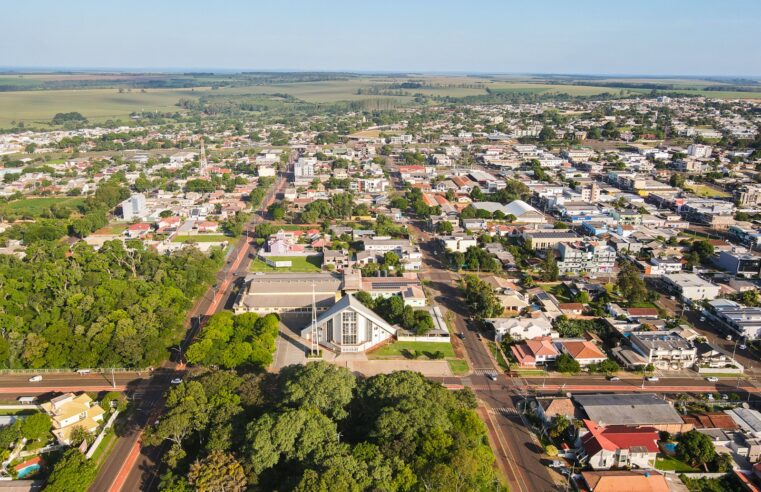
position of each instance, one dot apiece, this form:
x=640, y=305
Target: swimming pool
x=28, y=470
x=669, y=447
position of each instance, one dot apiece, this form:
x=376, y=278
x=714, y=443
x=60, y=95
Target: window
x=329, y=330
x=349, y=328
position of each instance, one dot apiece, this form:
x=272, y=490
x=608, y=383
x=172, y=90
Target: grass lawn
x=298, y=264
x=105, y=446
x=36, y=206
x=527, y=372
x=111, y=229
x=202, y=238
x=668, y=463
x=707, y=191
x=501, y=362
x=458, y=367
x=644, y=304
x=398, y=350
x=26, y=411
x=557, y=290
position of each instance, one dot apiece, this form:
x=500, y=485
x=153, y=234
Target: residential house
x=535, y=352
x=70, y=411
x=583, y=351
x=521, y=328
x=618, y=446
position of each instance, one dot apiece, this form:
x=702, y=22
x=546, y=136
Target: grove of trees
x=317, y=427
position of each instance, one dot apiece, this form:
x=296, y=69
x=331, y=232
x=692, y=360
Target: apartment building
x=591, y=257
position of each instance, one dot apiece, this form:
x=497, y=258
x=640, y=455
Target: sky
x=644, y=37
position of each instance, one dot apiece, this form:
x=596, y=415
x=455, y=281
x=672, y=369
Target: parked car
x=743, y=347
x=556, y=464
x=653, y=378
x=614, y=378
x=461, y=335
x=176, y=381
x=35, y=379
x=710, y=397
x=729, y=337
x=724, y=396
x=712, y=379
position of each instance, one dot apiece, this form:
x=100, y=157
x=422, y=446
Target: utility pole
x=113, y=379
x=314, y=338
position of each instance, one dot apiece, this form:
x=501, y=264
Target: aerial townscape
x=460, y=265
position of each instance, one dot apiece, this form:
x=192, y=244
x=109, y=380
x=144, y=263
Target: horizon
x=688, y=38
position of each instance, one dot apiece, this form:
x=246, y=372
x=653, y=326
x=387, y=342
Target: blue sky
x=680, y=37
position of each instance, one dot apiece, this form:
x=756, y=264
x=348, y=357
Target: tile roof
x=583, y=350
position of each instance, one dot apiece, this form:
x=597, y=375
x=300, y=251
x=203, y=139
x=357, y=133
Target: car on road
x=743, y=347
x=712, y=379
x=702, y=318
x=492, y=375
x=614, y=378
x=729, y=337
x=479, y=336
x=176, y=381
x=35, y=379
x=556, y=464
x=461, y=335
x=653, y=378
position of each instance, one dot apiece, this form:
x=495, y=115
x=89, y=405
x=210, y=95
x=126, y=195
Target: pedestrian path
x=504, y=411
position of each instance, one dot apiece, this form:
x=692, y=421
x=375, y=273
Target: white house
x=521, y=328
x=349, y=326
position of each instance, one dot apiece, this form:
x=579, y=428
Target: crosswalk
x=504, y=411
x=484, y=372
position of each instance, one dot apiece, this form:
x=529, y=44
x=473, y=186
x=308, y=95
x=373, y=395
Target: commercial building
x=664, y=349
x=690, y=286
x=134, y=207
x=735, y=319
x=544, y=240
x=590, y=257
x=633, y=409
x=739, y=262
x=288, y=292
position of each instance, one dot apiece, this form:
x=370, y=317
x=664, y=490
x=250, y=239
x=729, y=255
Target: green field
x=399, y=349
x=458, y=367
x=35, y=207
x=299, y=264
x=707, y=191
x=202, y=238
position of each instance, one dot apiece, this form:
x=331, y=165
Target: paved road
x=515, y=447
x=130, y=466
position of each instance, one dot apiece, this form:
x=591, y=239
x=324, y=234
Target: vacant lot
x=707, y=191
x=299, y=264
x=35, y=207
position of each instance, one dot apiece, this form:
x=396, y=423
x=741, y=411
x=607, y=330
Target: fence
x=102, y=434
x=97, y=370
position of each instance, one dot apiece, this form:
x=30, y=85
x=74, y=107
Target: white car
x=35, y=379
x=176, y=381
x=653, y=378
x=712, y=379
x=743, y=347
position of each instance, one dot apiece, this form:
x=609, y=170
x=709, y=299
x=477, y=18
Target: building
x=535, y=352
x=690, y=286
x=288, y=292
x=748, y=196
x=304, y=169
x=632, y=409
x=619, y=446
x=664, y=349
x=583, y=351
x=521, y=328
x=590, y=257
x=699, y=151
x=134, y=207
x=661, y=266
x=591, y=193
x=69, y=411
x=735, y=319
x=631, y=481
x=738, y=262
x=544, y=240
x=457, y=242
x=349, y=326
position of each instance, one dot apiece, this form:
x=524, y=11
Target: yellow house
x=69, y=411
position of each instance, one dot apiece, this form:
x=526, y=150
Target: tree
x=609, y=367
x=630, y=283
x=216, y=472
x=695, y=448
x=558, y=426
x=677, y=180
x=72, y=473
x=481, y=299
x=321, y=385
x=722, y=463
x=444, y=227
x=550, y=271
x=36, y=426
x=567, y=364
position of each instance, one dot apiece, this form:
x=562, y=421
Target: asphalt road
x=130, y=466
x=516, y=449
